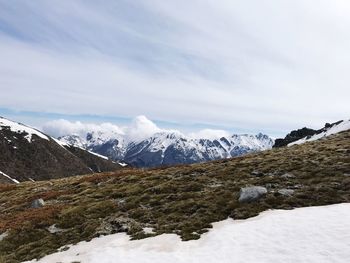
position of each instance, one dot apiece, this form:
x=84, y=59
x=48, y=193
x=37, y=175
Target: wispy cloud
x=248, y=64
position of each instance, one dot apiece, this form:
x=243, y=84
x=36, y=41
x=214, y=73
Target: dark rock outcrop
x=302, y=133
x=294, y=136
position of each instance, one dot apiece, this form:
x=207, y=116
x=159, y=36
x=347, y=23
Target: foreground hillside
x=184, y=200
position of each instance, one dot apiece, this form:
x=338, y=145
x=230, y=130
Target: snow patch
x=98, y=155
x=320, y=235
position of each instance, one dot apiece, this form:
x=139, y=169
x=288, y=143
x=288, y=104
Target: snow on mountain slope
x=75, y=140
x=168, y=147
x=99, y=155
x=342, y=126
x=111, y=144
x=8, y=177
x=320, y=235
x=20, y=128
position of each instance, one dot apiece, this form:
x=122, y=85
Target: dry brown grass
x=31, y=217
x=7, y=187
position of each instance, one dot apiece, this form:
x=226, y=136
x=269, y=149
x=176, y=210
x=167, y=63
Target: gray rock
x=37, y=203
x=287, y=176
x=251, y=194
x=53, y=229
x=271, y=186
x=257, y=174
x=286, y=192
x=271, y=174
x=298, y=186
x=3, y=235
x=112, y=225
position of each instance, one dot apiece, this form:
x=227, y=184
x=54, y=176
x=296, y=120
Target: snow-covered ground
x=314, y=234
x=343, y=126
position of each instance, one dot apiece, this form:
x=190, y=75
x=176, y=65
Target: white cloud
x=61, y=127
x=139, y=129
x=250, y=64
x=209, y=134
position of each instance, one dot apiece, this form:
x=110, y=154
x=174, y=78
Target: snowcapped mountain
x=28, y=154
x=168, y=147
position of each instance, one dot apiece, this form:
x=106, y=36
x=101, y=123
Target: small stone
x=257, y=174
x=297, y=186
x=3, y=235
x=53, y=229
x=148, y=230
x=287, y=176
x=251, y=194
x=286, y=192
x=114, y=225
x=37, y=203
x=269, y=185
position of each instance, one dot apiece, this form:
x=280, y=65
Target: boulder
x=37, y=203
x=251, y=194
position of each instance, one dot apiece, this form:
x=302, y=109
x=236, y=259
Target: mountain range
x=166, y=148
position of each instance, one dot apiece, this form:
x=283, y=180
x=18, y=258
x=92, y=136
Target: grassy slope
x=181, y=199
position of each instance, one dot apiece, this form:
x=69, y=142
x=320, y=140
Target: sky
x=241, y=66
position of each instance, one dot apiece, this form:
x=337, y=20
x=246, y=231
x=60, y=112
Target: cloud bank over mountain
x=139, y=129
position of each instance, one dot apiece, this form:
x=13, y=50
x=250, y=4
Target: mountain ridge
x=169, y=147
x=30, y=155
x=306, y=134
